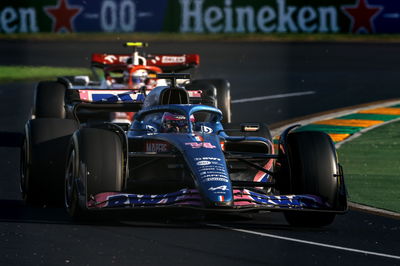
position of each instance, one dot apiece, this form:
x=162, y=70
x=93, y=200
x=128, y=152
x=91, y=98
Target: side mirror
x=249, y=127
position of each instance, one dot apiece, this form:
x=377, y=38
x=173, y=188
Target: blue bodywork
x=204, y=157
x=226, y=173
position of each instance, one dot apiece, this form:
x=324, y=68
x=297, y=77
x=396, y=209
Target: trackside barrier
x=201, y=16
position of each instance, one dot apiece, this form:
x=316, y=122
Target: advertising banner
x=201, y=16
x=286, y=16
x=82, y=15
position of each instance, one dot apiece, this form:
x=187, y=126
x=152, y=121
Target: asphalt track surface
x=338, y=74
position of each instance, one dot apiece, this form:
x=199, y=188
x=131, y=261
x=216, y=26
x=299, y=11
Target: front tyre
x=71, y=196
x=314, y=170
x=24, y=170
x=95, y=165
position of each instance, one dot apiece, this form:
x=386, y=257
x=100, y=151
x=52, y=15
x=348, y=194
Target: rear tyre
x=42, y=160
x=95, y=165
x=50, y=99
x=314, y=170
x=223, y=96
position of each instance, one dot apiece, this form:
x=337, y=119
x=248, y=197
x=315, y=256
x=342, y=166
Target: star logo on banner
x=362, y=16
x=63, y=15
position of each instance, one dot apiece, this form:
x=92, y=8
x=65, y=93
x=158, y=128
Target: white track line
x=373, y=210
x=307, y=242
x=269, y=97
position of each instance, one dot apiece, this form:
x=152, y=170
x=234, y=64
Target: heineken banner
x=201, y=16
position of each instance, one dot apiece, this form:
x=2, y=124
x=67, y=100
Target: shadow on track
x=15, y=211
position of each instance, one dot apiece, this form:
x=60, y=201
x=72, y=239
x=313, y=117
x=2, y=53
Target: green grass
x=371, y=165
x=259, y=37
x=36, y=73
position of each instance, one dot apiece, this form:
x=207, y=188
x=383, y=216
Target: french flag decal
x=221, y=198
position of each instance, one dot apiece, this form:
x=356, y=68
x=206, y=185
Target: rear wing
x=167, y=62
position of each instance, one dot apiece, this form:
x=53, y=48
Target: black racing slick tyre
x=223, y=96
x=50, y=100
x=43, y=156
x=95, y=165
x=315, y=171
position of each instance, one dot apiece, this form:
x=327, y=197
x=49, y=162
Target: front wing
x=244, y=200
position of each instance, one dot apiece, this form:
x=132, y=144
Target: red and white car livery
x=166, y=62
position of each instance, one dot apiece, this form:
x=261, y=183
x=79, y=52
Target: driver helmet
x=139, y=76
x=175, y=123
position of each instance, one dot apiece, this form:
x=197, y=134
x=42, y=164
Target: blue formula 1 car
x=177, y=155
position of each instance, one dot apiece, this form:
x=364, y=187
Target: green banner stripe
x=369, y=117
x=330, y=129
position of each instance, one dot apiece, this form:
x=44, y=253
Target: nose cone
x=218, y=199
x=208, y=164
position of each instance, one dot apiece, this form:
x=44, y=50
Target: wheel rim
x=69, y=180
